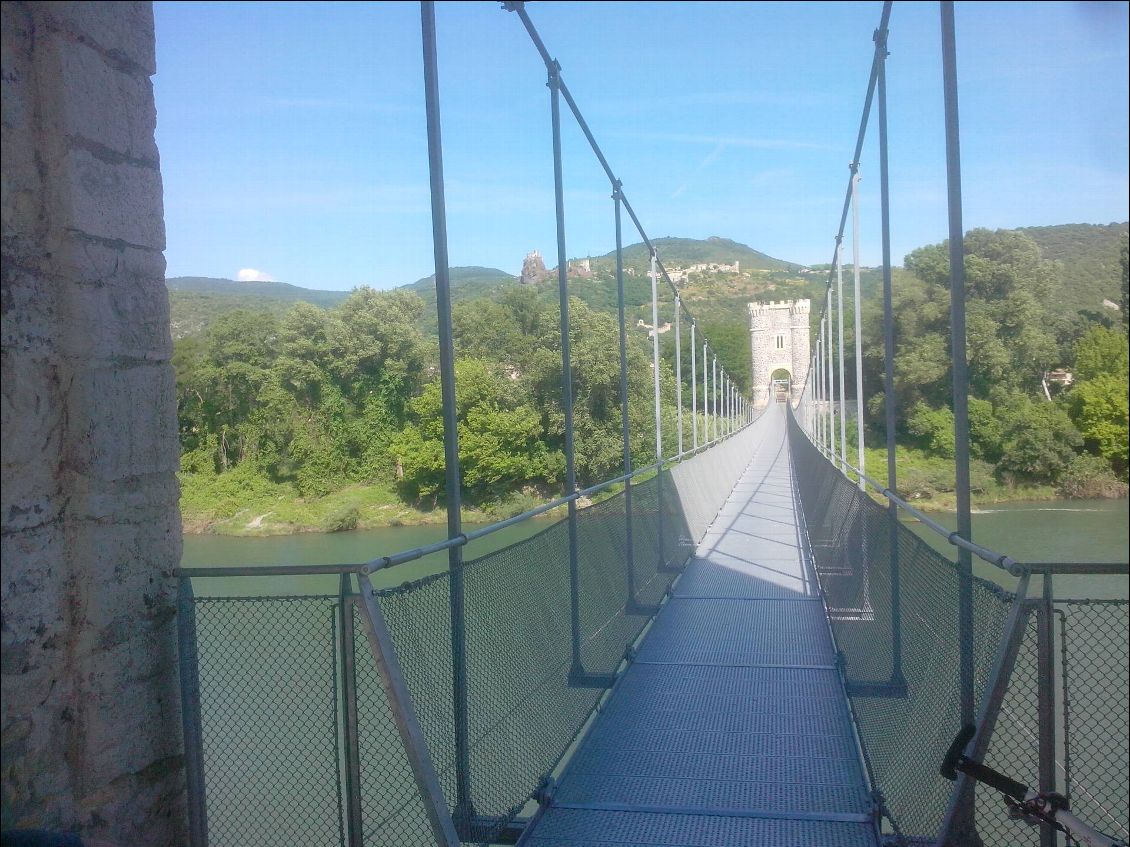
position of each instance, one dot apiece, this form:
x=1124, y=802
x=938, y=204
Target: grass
x=238, y=503
x=243, y=504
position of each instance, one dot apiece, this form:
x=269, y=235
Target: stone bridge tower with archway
x=779, y=340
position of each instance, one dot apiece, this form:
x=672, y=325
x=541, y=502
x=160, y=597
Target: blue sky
x=292, y=134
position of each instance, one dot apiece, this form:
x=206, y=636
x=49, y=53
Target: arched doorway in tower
x=780, y=381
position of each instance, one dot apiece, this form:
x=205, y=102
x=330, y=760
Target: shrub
x=343, y=520
x=1090, y=477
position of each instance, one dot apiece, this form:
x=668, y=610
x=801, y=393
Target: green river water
x=1046, y=531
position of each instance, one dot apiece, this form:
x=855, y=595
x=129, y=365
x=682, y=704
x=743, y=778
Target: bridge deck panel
x=731, y=725
x=721, y=632
x=593, y=828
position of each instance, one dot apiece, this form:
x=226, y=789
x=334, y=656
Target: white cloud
x=252, y=275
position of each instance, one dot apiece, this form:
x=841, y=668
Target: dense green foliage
x=321, y=398
x=283, y=397
x=313, y=398
x=1016, y=333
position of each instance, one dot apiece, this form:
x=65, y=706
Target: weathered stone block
x=116, y=305
x=29, y=323
x=131, y=700
x=127, y=34
x=134, y=432
x=121, y=588
x=117, y=202
x=96, y=103
x=31, y=413
x=20, y=183
x=39, y=551
x=90, y=525
x=150, y=499
x=146, y=807
x=34, y=795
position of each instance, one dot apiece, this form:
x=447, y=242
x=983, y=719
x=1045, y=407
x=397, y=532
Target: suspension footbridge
x=731, y=726
x=740, y=643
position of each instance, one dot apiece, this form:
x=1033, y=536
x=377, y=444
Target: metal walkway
x=731, y=727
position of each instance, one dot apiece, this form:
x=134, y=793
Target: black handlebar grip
x=949, y=763
x=995, y=779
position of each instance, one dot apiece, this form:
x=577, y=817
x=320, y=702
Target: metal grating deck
x=731, y=726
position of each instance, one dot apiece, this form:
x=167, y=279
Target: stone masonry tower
x=779, y=340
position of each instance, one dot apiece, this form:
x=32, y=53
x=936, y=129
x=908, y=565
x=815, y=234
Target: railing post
x=554, y=84
x=694, y=389
x=631, y=605
x=722, y=403
x=464, y=806
x=829, y=383
x=726, y=403
x=352, y=755
x=714, y=397
x=958, y=826
x=858, y=326
x=729, y=405
x=191, y=723
x=889, y=367
x=655, y=357
x=818, y=387
x=679, y=371
x=957, y=352
x=705, y=397
x=840, y=352
x=1045, y=698
x=967, y=669
x=662, y=563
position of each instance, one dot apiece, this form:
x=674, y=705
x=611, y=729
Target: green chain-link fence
x=898, y=636
x=279, y=676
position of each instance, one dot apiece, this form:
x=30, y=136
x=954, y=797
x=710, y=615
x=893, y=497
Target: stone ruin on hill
x=533, y=269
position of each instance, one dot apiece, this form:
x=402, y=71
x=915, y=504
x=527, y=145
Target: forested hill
x=254, y=290
x=196, y=301
x=1089, y=262
x=690, y=251
x=466, y=283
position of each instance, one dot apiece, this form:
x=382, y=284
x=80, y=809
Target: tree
x=1039, y=442
x=1101, y=410
x=488, y=330
x=1099, y=352
x=1125, y=301
x=933, y=428
x=502, y=445
x=1009, y=336
x=378, y=337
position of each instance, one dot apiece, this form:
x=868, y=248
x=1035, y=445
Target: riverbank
x=927, y=482
x=242, y=504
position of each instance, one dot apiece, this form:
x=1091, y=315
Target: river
x=318, y=548
x=1049, y=531
x=1046, y=531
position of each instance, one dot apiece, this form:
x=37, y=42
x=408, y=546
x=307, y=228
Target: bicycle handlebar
x=1049, y=808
